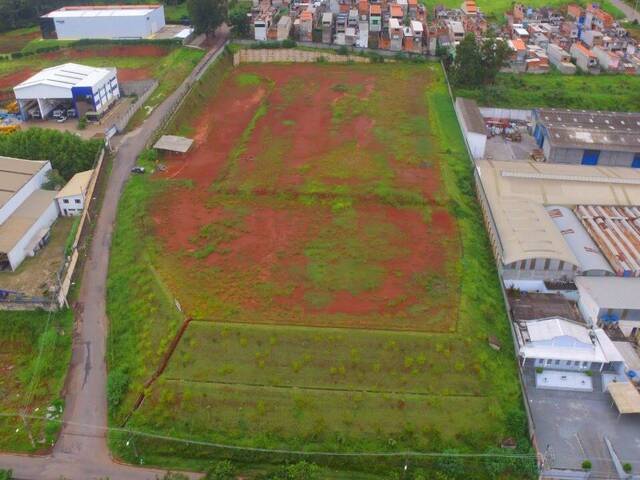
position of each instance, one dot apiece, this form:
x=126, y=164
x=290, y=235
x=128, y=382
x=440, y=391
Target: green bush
x=627, y=467
x=68, y=153
x=117, y=387
x=82, y=123
x=539, y=370
x=586, y=465
x=6, y=474
x=222, y=470
x=288, y=43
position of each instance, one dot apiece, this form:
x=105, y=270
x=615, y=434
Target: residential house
x=306, y=26
x=327, y=27
x=469, y=7
x=395, y=11
x=395, y=35
x=418, y=35
x=375, y=18
x=561, y=59
x=261, y=25
x=284, y=28
x=609, y=61
x=574, y=11
x=455, y=31
x=72, y=197
x=519, y=52
x=591, y=38
x=584, y=57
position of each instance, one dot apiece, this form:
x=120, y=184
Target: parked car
x=34, y=113
x=137, y=169
x=71, y=113
x=59, y=112
x=61, y=119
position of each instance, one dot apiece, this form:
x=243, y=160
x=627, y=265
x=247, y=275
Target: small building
x=395, y=35
x=284, y=28
x=261, y=26
x=456, y=31
x=327, y=27
x=395, y=11
x=561, y=344
x=519, y=50
x=592, y=38
x=103, y=21
x=375, y=18
x=71, y=197
x=469, y=7
x=588, y=137
x=610, y=300
x=585, y=58
x=306, y=26
x=26, y=210
x=68, y=86
x=561, y=59
x=473, y=126
x=609, y=61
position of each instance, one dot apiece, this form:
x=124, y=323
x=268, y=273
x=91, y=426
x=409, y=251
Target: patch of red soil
x=14, y=43
x=216, y=133
x=115, y=51
x=12, y=79
x=133, y=74
x=423, y=250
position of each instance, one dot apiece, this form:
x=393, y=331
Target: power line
x=280, y=451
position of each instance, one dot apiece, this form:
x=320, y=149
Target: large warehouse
x=69, y=86
x=588, y=138
x=103, y=21
x=26, y=211
x=531, y=213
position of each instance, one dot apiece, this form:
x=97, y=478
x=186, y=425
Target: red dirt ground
x=115, y=51
x=133, y=74
x=269, y=244
x=12, y=79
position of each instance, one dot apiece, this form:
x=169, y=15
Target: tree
x=207, y=15
x=478, y=63
x=239, y=19
x=54, y=180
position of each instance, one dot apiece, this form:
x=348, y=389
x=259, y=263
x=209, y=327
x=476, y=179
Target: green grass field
x=33, y=367
x=588, y=92
x=280, y=383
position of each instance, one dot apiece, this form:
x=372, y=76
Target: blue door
x=590, y=157
x=538, y=135
x=636, y=161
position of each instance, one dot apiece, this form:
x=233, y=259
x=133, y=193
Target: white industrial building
x=26, y=211
x=103, y=21
x=610, y=300
x=561, y=344
x=473, y=126
x=68, y=86
x=71, y=198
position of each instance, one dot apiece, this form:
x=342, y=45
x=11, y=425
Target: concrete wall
x=290, y=55
x=18, y=254
x=21, y=195
x=110, y=27
x=539, y=269
x=510, y=113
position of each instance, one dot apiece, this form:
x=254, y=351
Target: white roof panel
x=66, y=76
x=548, y=329
x=612, y=292
x=102, y=11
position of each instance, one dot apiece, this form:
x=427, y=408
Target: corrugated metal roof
x=16, y=226
x=471, y=115
x=518, y=191
x=612, y=292
x=14, y=174
x=581, y=244
x=548, y=329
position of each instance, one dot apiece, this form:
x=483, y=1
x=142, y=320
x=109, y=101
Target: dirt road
x=629, y=11
x=81, y=451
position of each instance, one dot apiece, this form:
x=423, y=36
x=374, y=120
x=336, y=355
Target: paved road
x=629, y=11
x=81, y=451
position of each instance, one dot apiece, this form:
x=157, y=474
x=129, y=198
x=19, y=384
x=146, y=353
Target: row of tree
x=477, y=63
x=68, y=153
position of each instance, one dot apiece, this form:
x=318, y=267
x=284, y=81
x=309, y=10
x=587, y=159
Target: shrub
x=82, y=123
x=588, y=373
x=6, y=474
x=586, y=465
x=288, y=43
x=539, y=369
x=117, y=386
x=222, y=470
x=343, y=50
x=627, y=467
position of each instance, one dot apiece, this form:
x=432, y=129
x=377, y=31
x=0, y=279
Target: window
x=66, y=200
x=546, y=263
x=636, y=161
x=585, y=364
x=532, y=264
x=576, y=363
x=549, y=361
x=568, y=363
x=557, y=362
x=561, y=265
x=77, y=200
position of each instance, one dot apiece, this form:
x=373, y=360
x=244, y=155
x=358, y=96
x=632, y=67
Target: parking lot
x=500, y=148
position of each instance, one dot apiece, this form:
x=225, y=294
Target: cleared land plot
x=314, y=204
x=37, y=274
x=324, y=234
x=497, y=8
x=15, y=40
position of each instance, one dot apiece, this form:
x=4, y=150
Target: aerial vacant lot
x=323, y=236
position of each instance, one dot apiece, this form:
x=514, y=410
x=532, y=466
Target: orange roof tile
x=363, y=7
x=585, y=50
x=518, y=44
x=396, y=11
x=375, y=10
x=306, y=16
x=412, y=2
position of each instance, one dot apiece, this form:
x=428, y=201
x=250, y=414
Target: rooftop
x=102, y=11
x=18, y=224
x=174, y=143
x=67, y=75
x=517, y=192
x=77, y=185
x=625, y=396
x=471, y=114
x=612, y=292
x=14, y=174
x=396, y=11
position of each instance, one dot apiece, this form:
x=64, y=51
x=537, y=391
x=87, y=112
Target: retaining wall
x=290, y=55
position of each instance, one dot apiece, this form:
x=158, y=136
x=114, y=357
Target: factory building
x=588, y=137
x=103, y=21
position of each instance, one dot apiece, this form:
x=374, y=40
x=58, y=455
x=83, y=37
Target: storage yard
x=354, y=188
